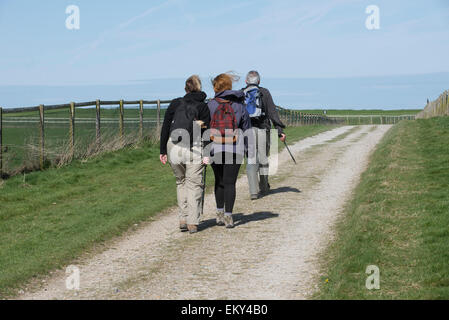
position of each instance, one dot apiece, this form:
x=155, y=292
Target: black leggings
x=225, y=180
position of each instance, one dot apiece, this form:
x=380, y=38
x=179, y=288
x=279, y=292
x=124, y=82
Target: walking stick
x=204, y=190
x=289, y=151
x=203, y=180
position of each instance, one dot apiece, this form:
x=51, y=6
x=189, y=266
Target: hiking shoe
x=220, y=218
x=254, y=196
x=229, y=222
x=192, y=228
x=183, y=226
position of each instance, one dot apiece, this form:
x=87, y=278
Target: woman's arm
x=165, y=131
x=272, y=112
x=245, y=122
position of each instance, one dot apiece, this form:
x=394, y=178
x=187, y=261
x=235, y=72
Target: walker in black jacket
x=187, y=168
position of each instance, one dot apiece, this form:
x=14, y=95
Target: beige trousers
x=189, y=186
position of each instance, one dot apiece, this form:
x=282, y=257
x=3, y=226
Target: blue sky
x=121, y=41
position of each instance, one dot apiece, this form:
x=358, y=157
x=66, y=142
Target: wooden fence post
x=158, y=127
x=121, y=125
x=42, y=136
x=141, y=119
x=98, y=125
x=72, y=130
x=447, y=103
x=1, y=143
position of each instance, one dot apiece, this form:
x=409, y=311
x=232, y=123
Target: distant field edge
x=361, y=112
x=397, y=221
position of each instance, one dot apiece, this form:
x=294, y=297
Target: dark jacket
x=237, y=97
x=194, y=98
x=271, y=113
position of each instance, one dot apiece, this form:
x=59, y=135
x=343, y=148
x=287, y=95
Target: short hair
x=193, y=84
x=224, y=81
x=253, y=77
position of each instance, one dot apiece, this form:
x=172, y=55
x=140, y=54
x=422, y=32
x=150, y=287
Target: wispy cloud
x=102, y=37
x=146, y=13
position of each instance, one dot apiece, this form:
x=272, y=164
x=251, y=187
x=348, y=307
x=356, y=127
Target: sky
x=136, y=41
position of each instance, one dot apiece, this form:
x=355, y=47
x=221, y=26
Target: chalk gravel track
x=273, y=253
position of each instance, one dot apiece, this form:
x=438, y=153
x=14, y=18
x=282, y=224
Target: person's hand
x=206, y=160
x=283, y=137
x=163, y=158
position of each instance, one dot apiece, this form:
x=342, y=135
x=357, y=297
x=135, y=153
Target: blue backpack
x=253, y=101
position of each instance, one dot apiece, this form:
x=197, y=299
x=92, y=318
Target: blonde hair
x=193, y=84
x=224, y=81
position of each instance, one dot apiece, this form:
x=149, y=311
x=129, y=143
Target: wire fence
x=297, y=118
x=35, y=138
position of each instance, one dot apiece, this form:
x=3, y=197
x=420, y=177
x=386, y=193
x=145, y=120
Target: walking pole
x=291, y=155
x=204, y=176
x=204, y=190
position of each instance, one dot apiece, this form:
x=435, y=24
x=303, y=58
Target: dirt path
x=271, y=254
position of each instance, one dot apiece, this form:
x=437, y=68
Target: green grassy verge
x=398, y=220
x=49, y=218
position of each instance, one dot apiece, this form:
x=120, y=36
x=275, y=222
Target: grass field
x=49, y=218
x=21, y=131
x=398, y=220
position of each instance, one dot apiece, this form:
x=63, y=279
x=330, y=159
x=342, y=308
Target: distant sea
x=389, y=92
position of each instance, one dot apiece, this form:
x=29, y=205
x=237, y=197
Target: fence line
x=289, y=117
x=439, y=107
x=297, y=118
x=373, y=119
x=41, y=120
x=84, y=104
x=293, y=117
